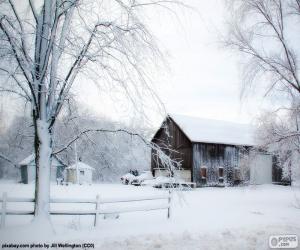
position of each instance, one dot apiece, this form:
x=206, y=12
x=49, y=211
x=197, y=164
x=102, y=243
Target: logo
x=283, y=241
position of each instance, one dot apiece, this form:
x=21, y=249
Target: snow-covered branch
x=59, y=40
x=249, y=35
x=158, y=151
x=87, y=131
x=7, y=159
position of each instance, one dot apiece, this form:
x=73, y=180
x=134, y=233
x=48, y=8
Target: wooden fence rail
x=98, y=210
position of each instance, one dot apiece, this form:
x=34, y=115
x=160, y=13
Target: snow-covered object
x=182, y=174
x=127, y=178
x=161, y=181
x=215, y=131
x=156, y=181
x=30, y=160
x=42, y=186
x=146, y=175
x=80, y=166
x=85, y=173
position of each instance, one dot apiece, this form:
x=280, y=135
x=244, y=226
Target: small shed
x=85, y=173
x=28, y=169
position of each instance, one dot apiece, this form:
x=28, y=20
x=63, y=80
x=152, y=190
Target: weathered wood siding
x=214, y=156
x=171, y=136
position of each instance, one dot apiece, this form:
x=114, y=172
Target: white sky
x=204, y=79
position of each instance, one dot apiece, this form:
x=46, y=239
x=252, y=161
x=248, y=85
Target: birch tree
x=47, y=44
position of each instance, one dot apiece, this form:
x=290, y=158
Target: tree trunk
x=43, y=152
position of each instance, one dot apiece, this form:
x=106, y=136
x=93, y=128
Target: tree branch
x=7, y=159
x=18, y=83
x=33, y=10
x=87, y=131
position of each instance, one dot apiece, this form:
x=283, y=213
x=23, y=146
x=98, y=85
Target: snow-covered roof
x=80, y=165
x=215, y=131
x=30, y=159
x=27, y=160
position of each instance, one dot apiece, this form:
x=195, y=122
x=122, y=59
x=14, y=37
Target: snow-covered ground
x=206, y=218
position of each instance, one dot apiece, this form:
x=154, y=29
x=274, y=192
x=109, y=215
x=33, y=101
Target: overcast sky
x=204, y=78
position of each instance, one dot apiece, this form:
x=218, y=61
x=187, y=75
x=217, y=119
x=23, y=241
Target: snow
x=204, y=218
x=160, y=180
x=30, y=159
x=42, y=184
x=80, y=165
x=128, y=177
x=146, y=175
x=215, y=131
x=27, y=160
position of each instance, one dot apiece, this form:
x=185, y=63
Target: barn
x=210, y=151
x=28, y=169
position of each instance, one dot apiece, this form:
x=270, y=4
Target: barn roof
x=215, y=131
x=81, y=165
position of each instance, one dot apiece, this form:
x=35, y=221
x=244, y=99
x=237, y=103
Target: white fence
x=98, y=210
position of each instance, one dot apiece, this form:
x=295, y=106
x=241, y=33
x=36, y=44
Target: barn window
x=237, y=174
x=81, y=172
x=221, y=174
x=203, y=172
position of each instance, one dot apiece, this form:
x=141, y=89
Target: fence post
x=96, y=221
x=169, y=204
x=3, y=211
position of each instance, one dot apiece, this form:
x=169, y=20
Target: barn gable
x=169, y=135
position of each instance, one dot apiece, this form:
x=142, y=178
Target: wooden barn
x=209, y=150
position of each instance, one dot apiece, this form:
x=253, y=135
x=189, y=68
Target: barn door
x=261, y=169
x=231, y=164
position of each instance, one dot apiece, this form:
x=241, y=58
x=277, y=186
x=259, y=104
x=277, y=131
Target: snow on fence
x=96, y=211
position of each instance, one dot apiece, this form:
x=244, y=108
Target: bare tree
x=279, y=134
x=46, y=44
x=264, y=33
x=15, y=144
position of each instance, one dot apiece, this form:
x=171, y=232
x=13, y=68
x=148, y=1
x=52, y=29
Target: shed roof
x=27, y=160
x=30, y=159
x=80, y=165
x=215, y=131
